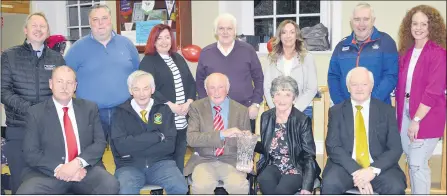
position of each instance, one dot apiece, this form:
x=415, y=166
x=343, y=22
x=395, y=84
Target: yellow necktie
x=143, y=116
x=361, y=142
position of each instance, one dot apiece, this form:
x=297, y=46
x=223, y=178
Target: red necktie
x=218, y=126
x=70, y=137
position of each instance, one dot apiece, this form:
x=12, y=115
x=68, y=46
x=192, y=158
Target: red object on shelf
x=191, y=53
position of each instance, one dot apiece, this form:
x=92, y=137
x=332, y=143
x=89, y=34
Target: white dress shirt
x=71, y=115
x=138, y=109
x=220, y=47
x=365, y=114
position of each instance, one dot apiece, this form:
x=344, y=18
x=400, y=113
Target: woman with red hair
x=420, y=97
x=174, y=82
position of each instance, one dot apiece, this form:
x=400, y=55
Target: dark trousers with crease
x=97, y=182
x=272, y=182
x=336, y=180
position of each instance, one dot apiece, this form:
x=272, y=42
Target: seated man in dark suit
x=363, y=143
x=64, y=143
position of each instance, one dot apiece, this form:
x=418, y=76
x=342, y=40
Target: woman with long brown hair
x=420, y=97
x=290, y=57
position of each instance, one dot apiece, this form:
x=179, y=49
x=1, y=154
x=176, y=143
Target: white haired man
x=238, y=61
x=363, y=143
x=211, y=133
x=143, y=140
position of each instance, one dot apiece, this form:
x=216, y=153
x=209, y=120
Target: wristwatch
x=376, y=171
x=256, y=104
x=417, y=119
x=80, y=163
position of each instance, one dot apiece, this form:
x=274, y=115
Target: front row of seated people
x=63, y=148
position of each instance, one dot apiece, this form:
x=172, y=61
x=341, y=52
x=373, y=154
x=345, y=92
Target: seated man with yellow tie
x=143, y=138
x=214, y=123
x=363, y=143
x=64, y=143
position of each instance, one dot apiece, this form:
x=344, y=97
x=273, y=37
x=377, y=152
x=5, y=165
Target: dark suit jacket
x=44, y=147
x=164, y=80
x=384, y=140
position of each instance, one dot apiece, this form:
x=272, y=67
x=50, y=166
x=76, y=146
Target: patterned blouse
x=279, y=151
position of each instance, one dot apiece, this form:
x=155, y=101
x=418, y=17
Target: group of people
x=148, y=111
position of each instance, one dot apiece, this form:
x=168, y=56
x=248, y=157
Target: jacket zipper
x=37, y=78
x=361, y=48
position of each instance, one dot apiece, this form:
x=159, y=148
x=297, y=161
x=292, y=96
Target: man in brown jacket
x=214, y=122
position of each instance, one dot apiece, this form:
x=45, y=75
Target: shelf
x=182, y=24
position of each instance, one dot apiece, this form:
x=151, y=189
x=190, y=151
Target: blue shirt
x=102, y=71
x=224, y=112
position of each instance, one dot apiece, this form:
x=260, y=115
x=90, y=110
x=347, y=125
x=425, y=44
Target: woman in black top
x=174, y=82
x=287, y=145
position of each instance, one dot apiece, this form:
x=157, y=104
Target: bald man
x=363, y=143
x=64, y=143
x=211, y=132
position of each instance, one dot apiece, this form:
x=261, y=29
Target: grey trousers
x=418, y=153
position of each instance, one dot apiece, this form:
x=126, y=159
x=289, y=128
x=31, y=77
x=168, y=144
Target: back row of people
x=103, y=61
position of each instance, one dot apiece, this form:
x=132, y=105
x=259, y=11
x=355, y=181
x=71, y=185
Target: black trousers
x=253, y=125
x=97, y=182
x=336, y=180
x=14, y=154
x=272, y=182
x=180, y=149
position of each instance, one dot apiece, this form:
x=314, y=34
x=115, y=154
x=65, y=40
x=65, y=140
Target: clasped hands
x=362, y=180
x=70, y=172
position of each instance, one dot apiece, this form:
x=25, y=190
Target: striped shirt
x=180, y=121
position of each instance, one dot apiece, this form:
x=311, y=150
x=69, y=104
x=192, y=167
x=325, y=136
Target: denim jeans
x=164, y=173
x=105, y=115
x=308, y=111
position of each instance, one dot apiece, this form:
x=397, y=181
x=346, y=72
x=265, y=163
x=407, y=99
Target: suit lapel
x=232, y=119
x=373, y=120
x=208, y=115
x=54, y=126
x=80, y=121
x=348, y=116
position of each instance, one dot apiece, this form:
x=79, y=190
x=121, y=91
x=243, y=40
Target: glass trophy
x=245, y=149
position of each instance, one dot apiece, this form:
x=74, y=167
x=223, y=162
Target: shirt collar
x=223, y=105
x=40, y=49
x=364, y=105
x=138, y=109
x=60, y=106
x=220, y=47
x=113, y=35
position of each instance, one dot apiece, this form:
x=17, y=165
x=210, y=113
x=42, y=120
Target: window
x=77, y=17
x=269, y=14
x=261, y=17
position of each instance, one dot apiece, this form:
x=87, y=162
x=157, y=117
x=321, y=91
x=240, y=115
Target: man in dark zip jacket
x=25, y=71
x=143, y=138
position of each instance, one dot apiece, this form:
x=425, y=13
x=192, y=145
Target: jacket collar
x=29, y=47
x=350, y=40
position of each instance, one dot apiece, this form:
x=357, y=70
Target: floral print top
x=279, y=151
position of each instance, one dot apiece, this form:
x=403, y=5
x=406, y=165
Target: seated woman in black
x=288, y=165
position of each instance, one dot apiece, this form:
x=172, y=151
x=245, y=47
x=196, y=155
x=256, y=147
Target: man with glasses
x=102, y=61
x=365, y=47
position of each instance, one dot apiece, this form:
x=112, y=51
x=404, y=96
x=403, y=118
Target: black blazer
x=300, y=141
x=384, y=140
x=164, y=81
x=44, y=147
